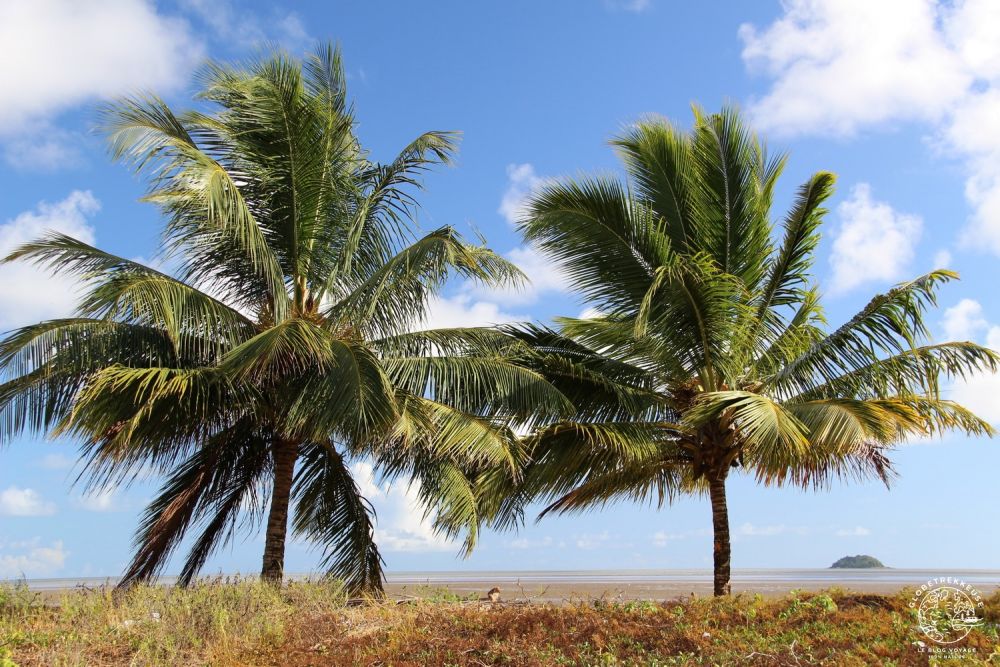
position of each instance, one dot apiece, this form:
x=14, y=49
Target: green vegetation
x=711, y=355
x=240, y=623
x=858, y=561
x=284, y=341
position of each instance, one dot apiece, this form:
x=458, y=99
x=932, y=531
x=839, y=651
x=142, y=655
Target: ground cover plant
x=310, y=623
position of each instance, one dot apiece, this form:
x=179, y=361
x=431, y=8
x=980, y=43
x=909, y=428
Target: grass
x=233, y=622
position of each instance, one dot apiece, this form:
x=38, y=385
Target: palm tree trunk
x=720, y=528
x=285, y=453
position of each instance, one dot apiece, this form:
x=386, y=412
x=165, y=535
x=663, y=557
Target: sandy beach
x=569, y=585
x=556, y=586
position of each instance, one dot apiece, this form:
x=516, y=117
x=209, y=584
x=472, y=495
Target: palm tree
x=281, y=344
x=710, y=355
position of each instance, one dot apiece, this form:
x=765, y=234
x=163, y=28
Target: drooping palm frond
x=331, y=513
x=212, y=481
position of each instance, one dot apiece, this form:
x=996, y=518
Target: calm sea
x=831, y=577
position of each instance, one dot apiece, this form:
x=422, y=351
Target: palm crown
x=710, y=353
x=282, y=343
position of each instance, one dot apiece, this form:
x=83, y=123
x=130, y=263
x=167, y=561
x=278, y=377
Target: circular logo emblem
x=947, y=609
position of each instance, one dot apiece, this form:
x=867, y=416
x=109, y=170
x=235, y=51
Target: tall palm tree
x=282, y=343
x=710, y=356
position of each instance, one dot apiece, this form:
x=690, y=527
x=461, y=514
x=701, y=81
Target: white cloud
x=544, y=274
x=839, y=66
x=973, y=133
x=101, y=500
x=61, y=53
x=31, y=559
x=476, y=304
x=544, y=277
x=56, y=462
x=873, y=242
x=24, y=502
x=236, y=25
x=965, y=321
x=522, y=181
x=400, y=522
x=857, y=531
x=464, y=310
x=942, y=259
x=981, y=394
x=28, y=294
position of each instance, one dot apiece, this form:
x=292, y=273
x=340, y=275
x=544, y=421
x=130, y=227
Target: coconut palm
x=282, y=343
x=710, y=355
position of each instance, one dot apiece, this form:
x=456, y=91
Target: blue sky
x=900, y=98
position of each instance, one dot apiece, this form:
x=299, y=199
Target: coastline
x=568, y=585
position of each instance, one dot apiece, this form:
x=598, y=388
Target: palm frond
x=331, y=512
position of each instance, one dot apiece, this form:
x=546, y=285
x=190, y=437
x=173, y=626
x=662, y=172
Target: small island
x=858, y=561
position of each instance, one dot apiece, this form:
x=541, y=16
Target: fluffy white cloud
x=839, y=66
x=545, y=277
x=478, y=305
x=521, y=182
x=842, y=64
x=400, y=523
x=24, y=502
x=28, y=294
x=873, y=242
x=966, y=321
x=857, y=531
x=973, y=133
x=464, y=310
x=981, y=394
x=544, y=274
x=31, y=559
x=59, y=53
x=942, y=259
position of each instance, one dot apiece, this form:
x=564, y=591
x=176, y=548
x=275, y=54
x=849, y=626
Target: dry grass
x=244, y=623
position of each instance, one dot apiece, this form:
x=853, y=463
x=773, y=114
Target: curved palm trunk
x=273, y=568
x=720, y=528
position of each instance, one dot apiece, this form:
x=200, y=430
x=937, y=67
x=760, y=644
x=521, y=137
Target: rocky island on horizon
x=859, y=561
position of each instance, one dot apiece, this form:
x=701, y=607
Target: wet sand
x=562, y=587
